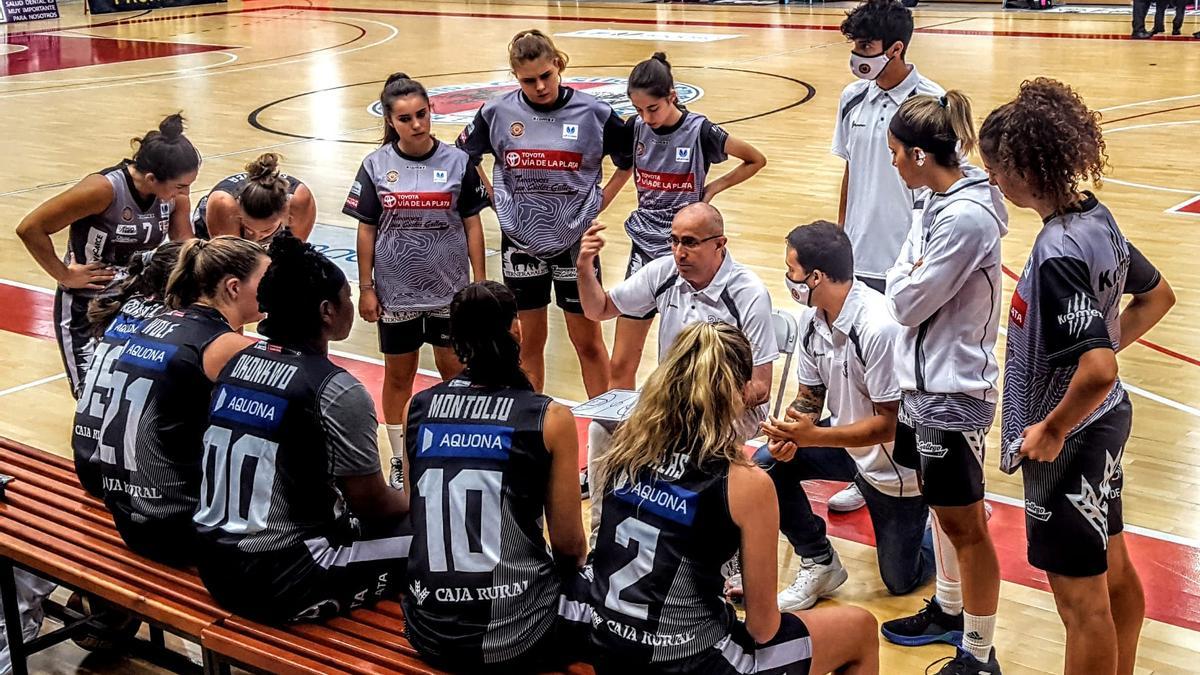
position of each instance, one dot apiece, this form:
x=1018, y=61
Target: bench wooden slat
x=30, y=451
x=264, y=655
x=388, y=636
x=58, y=562
x=293, y=638
x=104, y=545
x=60, y=482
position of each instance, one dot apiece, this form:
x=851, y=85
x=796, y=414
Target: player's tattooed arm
x=810, y=400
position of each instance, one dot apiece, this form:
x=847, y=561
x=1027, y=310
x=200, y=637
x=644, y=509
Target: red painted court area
x=45, y=52
x=1191, y=207
x=1170, y=571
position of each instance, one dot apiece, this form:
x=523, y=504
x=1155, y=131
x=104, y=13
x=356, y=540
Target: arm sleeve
x=956, y=243
x=348, y=415
x=760, y=328
x=712, y=142
x=472, y=196
x=635, y=295
x=1070, y=315
x=807, y=371
x=476, y=139
x=880, y=355
x=1142, y=276
x=362, y=203
x=841, y=140
x=618, y=140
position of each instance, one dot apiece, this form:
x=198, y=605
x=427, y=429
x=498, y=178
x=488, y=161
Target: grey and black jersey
x=149, y=441
x=131, y=224
x=284, y=425
x=670, y=169
x=417, y=206
x=1067, y=302
x=657, y=593
x=232, y=185
x=482, y=583
x=97, y=387
x=546, y=180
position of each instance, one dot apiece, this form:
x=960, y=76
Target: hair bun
x=172, y=126
x=266, y=167
x=661, y=56
x=395, y=77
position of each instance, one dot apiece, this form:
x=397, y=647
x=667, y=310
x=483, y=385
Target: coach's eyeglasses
x=690, y=242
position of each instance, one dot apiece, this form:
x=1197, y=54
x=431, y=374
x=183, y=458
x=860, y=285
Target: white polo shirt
x=855, y=361
x=878, y=204
x=736, y=296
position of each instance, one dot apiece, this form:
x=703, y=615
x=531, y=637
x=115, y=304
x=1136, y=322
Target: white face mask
x=801, y=291
x=868, y=67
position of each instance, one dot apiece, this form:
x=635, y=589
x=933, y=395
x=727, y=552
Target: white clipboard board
x=612, y=406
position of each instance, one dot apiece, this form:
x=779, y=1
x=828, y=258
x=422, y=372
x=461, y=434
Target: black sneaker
x=396, y=474
x=965, y=664
x=926, y=627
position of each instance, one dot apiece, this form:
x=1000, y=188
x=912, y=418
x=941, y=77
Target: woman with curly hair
x=1065, y=412
x=945, y=290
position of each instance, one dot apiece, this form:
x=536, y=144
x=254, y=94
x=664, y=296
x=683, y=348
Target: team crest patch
x=516, y=129
x=392, y=176
x=457, y=104
x=641, y=148
x=683, y=154
x=570, y=132
x=439, y=176
x=127, y=214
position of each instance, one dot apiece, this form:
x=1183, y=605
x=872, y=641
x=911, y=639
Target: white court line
x=100, y=80
x=1143, y=186
x=1138, y=104
x=1012, y=501
x=236, y=69
x=31, y=385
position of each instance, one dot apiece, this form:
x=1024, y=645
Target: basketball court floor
x=300, y=77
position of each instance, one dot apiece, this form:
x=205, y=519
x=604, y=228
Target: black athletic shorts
x=949, y=464
x=170, y=542
x=637, y=260
x=405, y=332
x=530, y=277
x=74, y=334
x=788, y=653
x=309, y=581
x=1073, y=504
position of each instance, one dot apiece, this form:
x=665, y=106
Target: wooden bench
x=50, y=526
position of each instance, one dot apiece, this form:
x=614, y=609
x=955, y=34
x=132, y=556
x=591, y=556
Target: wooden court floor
x=298, y=77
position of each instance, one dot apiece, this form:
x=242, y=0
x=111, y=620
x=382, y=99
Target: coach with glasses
x=699, y=281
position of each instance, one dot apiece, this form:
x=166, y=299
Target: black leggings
x=1160, y=14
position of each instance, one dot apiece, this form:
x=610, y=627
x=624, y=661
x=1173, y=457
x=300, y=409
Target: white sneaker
x=812, y=582
x=850, y=499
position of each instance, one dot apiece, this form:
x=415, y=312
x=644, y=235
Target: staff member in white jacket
x=945, y=288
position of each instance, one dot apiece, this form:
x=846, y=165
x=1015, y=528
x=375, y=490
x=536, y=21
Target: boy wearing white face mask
x=846, y=360
x=876, y=207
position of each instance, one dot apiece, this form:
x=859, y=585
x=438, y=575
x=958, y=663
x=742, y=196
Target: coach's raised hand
x=591, y=244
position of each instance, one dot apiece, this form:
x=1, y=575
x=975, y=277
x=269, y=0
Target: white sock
x=978, y=632
x=949, y=581
x=395, y=434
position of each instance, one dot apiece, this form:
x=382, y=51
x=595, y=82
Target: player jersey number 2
x=488, y=485
x=629, y=532
x=231, y=470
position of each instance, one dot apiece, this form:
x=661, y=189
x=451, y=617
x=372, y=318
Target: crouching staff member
x=845, y=359
x=699, y=282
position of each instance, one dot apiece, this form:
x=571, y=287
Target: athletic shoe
x=965, y=664
x=849, y=499
x=396, y=475
x=812, y=581
x=585, y=488
x=926, y=627
x=1141, y=34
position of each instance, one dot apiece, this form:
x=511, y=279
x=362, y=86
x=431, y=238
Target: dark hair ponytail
x=298, y=280
x=481, y=317
x=653, y=76
x=166, y=153
x=148, y=274
x=266, y=191
x=398, y=85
